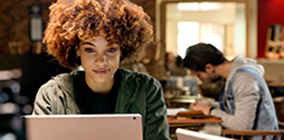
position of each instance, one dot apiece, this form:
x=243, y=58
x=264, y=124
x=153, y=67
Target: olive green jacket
x=138, y=93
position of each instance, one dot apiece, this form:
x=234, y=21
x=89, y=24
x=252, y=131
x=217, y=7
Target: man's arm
x=246, y=96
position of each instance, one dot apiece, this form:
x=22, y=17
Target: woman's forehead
x=99, y=41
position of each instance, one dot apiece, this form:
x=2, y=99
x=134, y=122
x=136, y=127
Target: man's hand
x=199, y=105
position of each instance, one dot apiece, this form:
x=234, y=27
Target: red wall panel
x=269, y=12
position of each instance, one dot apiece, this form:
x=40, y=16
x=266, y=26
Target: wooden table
x=194, y=124
x=174, y=122
x=276, y=88
x=275, y=84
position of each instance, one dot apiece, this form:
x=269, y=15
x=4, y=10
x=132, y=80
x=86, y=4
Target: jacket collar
x=65, y=82
x=127, y=93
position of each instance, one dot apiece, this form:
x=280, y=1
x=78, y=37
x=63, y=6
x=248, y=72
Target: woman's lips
x=101, y=72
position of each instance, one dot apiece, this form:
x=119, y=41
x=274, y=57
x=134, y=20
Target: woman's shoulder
x=129, y=73
x=142, y=77
x=63, y=79
x=66, y=76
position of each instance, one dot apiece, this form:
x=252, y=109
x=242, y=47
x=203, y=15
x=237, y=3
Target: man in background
x=245, y=100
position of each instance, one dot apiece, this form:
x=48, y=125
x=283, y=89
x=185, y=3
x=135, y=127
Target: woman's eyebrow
x=89, y=43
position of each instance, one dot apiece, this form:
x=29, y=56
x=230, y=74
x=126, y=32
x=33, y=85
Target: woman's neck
x=100, y=88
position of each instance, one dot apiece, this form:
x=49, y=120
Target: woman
x=99, y=34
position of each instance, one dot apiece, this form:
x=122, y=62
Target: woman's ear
x=209, y=68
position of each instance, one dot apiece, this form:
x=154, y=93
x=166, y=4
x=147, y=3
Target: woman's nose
x=101, y=58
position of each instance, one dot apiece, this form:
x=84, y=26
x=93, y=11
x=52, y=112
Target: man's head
x=201, y=60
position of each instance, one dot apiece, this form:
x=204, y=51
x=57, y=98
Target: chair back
x=279, y=107
x=242, y=134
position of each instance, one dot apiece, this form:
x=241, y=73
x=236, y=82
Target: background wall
x=269, y=12
x=230, y=14
x=14, y=22
x=15, y=17
x=252, y=13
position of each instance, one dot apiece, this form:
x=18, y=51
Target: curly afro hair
x=119, y=21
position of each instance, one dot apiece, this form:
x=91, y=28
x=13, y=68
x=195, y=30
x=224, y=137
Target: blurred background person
x=245, y=100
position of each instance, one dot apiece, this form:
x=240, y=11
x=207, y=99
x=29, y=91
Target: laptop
x=184, y=134
x=84, y=127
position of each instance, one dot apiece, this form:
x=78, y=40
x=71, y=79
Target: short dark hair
x=201, y=54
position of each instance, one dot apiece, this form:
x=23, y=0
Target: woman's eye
x=89, y=50
x=112, y=50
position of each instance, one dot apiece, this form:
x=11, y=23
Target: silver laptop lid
x=84, y=127
x=184, y=134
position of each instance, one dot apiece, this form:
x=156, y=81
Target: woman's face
x=100, y=60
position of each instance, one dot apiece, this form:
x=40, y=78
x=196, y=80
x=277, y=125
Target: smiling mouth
x=101, y=72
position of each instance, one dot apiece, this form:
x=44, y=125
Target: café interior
x=246, y=28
